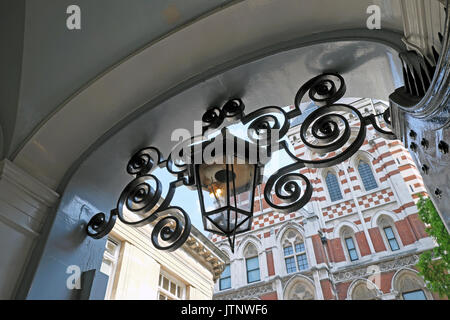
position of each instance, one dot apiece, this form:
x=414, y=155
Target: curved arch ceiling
x=273, y=80
x=58, y=62
x=140, y=87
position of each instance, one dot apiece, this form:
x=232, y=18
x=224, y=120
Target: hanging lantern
x=226, y=186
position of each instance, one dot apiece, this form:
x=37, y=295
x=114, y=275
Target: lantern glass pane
x=214, y=186
x=241, y=223
x=244, y=187
x=217, y=222
x=224, y=223
x=245, y=226
x=226, y=195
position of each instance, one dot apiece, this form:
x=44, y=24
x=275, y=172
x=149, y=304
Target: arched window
x=294, y=252
x=393, y=244
x=414, y=295
x=299, y=289
x=350, y=244
x=389, y=233
x=225, y=278
x=333, y=186
x=366, y=174
x=364, y=290
x=252, y=263
x=410, y=286
x=348, y=239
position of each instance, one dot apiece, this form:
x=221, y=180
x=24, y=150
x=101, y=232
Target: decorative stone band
x=363, y=272
x=376, y=199
x=253, y=291
x=256, y=290
x=365, y=202
x=208, y=255
x=336, y=210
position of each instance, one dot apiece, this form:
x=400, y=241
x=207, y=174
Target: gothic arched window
x=333, y=187
x=294, y=252
x=299, y=289
x=348, y=239
x=389, y=232
x=364, y=290
x=411, y=286
x=366, y=174
x=252, y=263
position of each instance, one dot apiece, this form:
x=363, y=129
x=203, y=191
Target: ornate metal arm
x=326, y=130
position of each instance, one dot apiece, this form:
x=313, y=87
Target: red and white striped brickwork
x=398, y=182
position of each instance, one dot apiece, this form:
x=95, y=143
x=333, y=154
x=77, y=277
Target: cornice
x=28, y=184
x=207, y=254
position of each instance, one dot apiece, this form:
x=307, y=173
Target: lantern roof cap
x=228, y=148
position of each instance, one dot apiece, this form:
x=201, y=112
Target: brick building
x=358, y=238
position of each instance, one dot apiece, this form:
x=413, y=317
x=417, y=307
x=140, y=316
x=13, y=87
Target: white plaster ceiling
x=202, y=50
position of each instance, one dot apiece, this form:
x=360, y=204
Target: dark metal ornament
x=287, y=190
x=98, y=227
x=175, y=236
x=142, y=197
x=220, y=183
x=330, y=131
x=139, y=197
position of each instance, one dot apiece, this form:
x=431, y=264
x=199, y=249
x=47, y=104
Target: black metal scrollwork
x=143, y=198
x=98, y=227
x=143, y=161
x=322, y=90
x=171, y=231
x=214, y=117
x=325, y=131
x=288, y=190
x=140, y=197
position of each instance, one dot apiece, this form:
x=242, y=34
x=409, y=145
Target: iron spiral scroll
x=143, y=198
x=326, y=130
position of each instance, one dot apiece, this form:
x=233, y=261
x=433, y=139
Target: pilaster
x=24, y=205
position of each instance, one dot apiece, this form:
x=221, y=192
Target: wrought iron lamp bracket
x=266, y=127
x=143, y=197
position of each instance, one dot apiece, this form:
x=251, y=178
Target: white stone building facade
x=136, y=270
